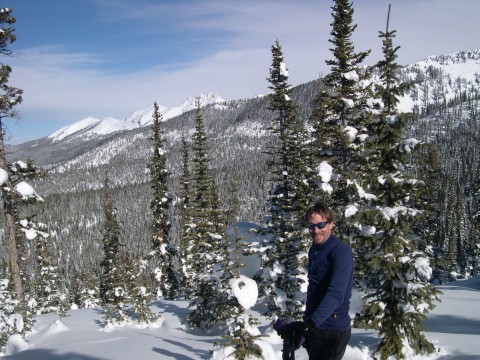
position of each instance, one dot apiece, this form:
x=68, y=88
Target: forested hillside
x=443, y=101
x=75, y=172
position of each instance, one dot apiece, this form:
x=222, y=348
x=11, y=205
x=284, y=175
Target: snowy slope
x=90, y=127
x=442, y=78
x=82, y=125
x=465, y=64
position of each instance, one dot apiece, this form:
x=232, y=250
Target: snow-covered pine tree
x=242, y=337
x=89, y=290
x=211, y=268
x=73, y=286
x=284, y=260
x=431, y=200
x=47, y=290
x=9, y=98
x=187, y=228
x=339, y=117
x=11, y=322
x=473, y=192
x=113, y=283
x=242, y=331
x=111, y=246
x=138, y=292
x=163, y=255
x=17, y=193
x=15, y=190
x=398, y=295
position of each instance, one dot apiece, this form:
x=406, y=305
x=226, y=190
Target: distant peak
x=459, y=57
x=190, y=104
x=91, y=126
x=73, y=128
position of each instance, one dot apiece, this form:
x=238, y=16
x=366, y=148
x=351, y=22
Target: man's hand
x=297, y=327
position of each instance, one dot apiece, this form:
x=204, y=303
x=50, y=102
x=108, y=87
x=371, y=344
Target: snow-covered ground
x=454, y=326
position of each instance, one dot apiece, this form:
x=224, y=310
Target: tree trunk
x=13, y=255
x=10, y=228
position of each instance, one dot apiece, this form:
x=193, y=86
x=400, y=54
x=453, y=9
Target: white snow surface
x=453, y=328
x=245, y=290
x=3, y=176
x=283, y=69
x=325, y=171
x=26, y=191
x=73, y=128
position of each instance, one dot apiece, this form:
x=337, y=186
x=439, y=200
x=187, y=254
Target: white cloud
x=234, y=40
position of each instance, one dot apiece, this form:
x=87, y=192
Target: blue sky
x=100, y=58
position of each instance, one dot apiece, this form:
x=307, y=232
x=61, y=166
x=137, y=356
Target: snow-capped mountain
x=91, y=127
x=465, y=64
x=442, y=78
x=459, y=73
x=439, y=81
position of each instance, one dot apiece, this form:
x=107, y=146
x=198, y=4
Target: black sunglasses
x=319, y=225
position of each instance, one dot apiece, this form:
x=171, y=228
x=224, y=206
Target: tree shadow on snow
x=196, y=353
x=452, y=325
x=175, y=356
x=171, y=307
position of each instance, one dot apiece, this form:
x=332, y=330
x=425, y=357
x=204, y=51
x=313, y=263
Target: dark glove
x=296, y=327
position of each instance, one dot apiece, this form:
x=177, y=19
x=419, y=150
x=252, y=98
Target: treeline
x=454, y=183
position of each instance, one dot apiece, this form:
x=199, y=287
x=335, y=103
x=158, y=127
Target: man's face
x=319, y=235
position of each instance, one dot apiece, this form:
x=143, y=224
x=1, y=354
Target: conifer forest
x=120, y=220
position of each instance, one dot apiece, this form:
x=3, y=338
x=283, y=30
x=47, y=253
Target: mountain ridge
x=464, y=64
x=91, y=126
x=438, y=78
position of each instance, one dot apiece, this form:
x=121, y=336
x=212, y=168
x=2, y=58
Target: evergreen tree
x=187, y=229
x=15, y=190
x=163, y=252
x=430, y=199
x=288, y=199
x=208, y=252
x=399, y=295
x=48, y=289
x=242, y=331
x=9, y=98
x=18, y=194
x=11, y=322
x=111, y=247
x=113, y=283
x=89, y=290
x=242, y=337
x=73, y=286
x=138, y=292
x=340, y=116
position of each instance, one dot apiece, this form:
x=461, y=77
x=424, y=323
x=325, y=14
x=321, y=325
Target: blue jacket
x=330, y=279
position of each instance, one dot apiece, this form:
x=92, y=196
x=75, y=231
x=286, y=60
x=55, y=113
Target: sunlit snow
x=453, y=327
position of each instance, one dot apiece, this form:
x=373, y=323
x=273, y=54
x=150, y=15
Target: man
x=326, y=324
